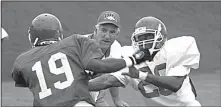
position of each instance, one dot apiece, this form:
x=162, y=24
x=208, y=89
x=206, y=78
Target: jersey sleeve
x=182, y=58
x=18, y=77
x=89, y=49
x=178, y=71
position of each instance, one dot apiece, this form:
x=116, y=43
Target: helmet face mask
x=45, y=29
x=150, y=33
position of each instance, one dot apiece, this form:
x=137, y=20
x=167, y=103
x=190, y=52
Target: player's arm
x=103, y=82
x=90, y=56
x=112, y=64
x=18, y=78
x=108, y=65
x=172, y=83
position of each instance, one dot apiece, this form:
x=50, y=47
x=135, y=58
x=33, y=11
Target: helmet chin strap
x=29, y=38
x=60, y=38
x=35, y=42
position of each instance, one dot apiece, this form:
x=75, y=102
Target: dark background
x=198, y=19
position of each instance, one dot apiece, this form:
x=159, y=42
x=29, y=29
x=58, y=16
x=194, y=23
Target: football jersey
x=176, y=58
x=55, y=73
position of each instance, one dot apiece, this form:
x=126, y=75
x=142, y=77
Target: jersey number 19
x=65, y=68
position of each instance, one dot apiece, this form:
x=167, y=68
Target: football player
x=54, y=68
x=106, y=32
x=164, y=78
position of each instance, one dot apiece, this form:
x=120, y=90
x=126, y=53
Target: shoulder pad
x=182, y=51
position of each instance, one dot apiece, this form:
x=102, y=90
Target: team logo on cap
x=110, y=16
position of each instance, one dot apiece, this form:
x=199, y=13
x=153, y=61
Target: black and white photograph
x=110, y=53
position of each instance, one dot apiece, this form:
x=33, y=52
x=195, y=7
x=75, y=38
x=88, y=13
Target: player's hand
x=141, y=87
x=133, y=72
x=120, y=103
x=141, y=56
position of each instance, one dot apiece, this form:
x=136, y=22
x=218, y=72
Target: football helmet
x=150, y=33
x=45, y=29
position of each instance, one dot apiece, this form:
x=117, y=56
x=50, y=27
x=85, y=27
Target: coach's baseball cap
x=109, y=17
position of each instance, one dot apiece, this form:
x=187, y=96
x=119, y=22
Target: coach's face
x=106, y=34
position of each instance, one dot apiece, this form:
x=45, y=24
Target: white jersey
x=176, y=58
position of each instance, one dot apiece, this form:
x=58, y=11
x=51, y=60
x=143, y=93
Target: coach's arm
x=108, y=65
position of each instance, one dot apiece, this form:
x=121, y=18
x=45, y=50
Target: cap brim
x=110, y=22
